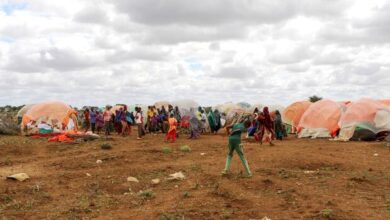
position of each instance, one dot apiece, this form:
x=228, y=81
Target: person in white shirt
x=139, y=122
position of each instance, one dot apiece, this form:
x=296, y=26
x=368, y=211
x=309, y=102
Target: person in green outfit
x=212, y=122
x=234, y=132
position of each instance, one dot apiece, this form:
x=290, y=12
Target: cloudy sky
x=88, y=52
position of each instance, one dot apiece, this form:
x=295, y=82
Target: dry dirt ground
x=296, y=179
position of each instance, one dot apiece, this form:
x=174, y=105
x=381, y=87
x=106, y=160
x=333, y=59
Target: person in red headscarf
x=266, y=128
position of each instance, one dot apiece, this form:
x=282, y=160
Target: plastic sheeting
x=365, y=114
x=293, y=113
x=321, y=119
x=228, y=108
x=185, y=104
x=55, y=113
x=159, y=104
x=385, y=101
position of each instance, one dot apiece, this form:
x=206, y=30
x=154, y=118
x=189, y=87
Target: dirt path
x=296, y=179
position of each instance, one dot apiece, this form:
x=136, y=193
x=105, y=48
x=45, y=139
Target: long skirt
x=171, y=135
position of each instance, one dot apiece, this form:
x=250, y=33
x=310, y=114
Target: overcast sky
x=94, y=52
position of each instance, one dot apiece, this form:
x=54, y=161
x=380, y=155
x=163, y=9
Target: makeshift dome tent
x=56, y=114
x=385, y=101
x=273, y=108
x=244, y=105
x=364, y=120
x=228, y=107
x=293, y=113
x=23, y=111
x=321, y=119
x=185, y=104
x=159, y=104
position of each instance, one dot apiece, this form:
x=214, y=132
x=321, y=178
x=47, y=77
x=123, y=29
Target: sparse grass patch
x=326, y=213
x=283, y=174
x=147, y=194
x=185, y=148
x=226, y=214
x=106, y=146
x=167, y=150
x=186, y=194
x=387, y=177
x=166, y=216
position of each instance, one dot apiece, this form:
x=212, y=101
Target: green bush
x=167, y=150
x=185, y=148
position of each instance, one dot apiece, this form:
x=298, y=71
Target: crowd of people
x=263, y=126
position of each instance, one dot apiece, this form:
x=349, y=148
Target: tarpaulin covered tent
x=321, y=119
x=292, y=114
x=228, y=107
x=58, y=115
x=23, y=111
x=273, y=108
x=385, y=101
x=364, y=120
x=244, y=105
x=185, y=104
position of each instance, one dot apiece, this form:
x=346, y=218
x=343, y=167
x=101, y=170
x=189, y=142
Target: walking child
x=234, y=132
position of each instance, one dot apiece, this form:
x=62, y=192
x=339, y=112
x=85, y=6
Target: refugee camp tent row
x=365, y=119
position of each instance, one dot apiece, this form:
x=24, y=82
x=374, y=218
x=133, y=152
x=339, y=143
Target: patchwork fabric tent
x=321, y=119
x=364, y=120
x=293, y=113
x=60, y=116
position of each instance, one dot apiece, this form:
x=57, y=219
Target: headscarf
x=267, y=118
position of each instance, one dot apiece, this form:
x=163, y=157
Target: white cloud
x=128, y=51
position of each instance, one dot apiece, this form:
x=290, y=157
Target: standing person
x=266, y=127
x=234, y=132
x=218, y=124
x=153, y=120
x=107, y=115
x=150, y=115
x=123, y=120
x=171, y=135
x=92, y=119
x=199, y=113
x=203, y=120
x=177, y=114
x=87, y=123
x=195, y=125
x=117, y=120
x=129, y=120
x=138, y=122
x=164, y=117
x=99, y=121
x=212, y=122
x=170, y=110
x=278, y=126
